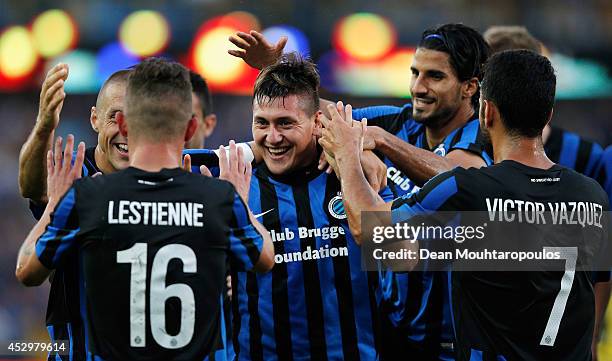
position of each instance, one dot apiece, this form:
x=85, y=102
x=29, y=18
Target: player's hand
x=255, y=50
x=228, y=284
x=375, y=170
x=342, y=136
x=52, y=96
x=235, y=170
x=61, y=173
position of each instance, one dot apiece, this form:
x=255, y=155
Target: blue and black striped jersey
x=317, y=303
x=416, y=303
x=152, y=250
x=570, y=150
x=605, y=173
x=517, y=315
x=399, y=122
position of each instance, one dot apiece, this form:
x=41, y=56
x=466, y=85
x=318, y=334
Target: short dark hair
x=290, y=75
x=466, y=48
x=158, y=99
x=119, y=76
x=200, y=88
x=512, y=37
x=521, y=83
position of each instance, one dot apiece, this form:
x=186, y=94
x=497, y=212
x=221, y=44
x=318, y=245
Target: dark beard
x=436, y=120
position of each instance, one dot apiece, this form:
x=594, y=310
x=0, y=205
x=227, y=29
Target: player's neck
x=436, y=135
x=153, y=157
x=527, y=151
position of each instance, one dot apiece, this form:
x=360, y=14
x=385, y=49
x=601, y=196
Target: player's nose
x=417, y=87
x=274, y=136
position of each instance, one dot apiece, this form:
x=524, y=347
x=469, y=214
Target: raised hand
x=61, y=172
x=342, y=136
x=255, y=50
x=235, y=170
x=52, y=96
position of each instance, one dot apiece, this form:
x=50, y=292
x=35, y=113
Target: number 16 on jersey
x=159, y=293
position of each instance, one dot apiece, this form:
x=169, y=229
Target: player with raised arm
x=152, y=240
x=317, y=303
x=540, y=315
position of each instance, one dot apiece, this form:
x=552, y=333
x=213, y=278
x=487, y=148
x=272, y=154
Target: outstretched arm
x=60, y=176
x=32, y=169
x=235, y=170
x=343, y=139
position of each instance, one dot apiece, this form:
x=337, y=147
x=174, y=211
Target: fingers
x=280, y=45
x=187, y=163
x=78, y=162
x=240, y=166
x=57, y=154
x=233, y=157
x=348, y=114
x=205, y=171
x=322, y=162
x=248, y=38
x=261, y=39
x=222, y=161
x=237, y=53
x=67, y=163
x=325, y=120
x=333, y=111
x=60, y=71
x=57, y=99
x=49, y=162
x=239, y=42
x=248, y=170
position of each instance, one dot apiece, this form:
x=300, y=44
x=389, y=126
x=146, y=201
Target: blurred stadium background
x=363, y=49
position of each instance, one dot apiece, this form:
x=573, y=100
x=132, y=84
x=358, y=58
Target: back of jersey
x=543, y=314
x=153, y=252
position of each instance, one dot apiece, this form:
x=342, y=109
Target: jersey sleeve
x=389, y=118
x=434, y=194
x=205, y=157
x=61, y=232
x=246, y=242
x=471, y=139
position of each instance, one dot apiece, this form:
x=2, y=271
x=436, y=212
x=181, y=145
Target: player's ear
x=123, y=129
x=552, y=110
x=210, y=122
x=318, y=123
x=488, y=113
x=192, y=126
x=470, y=87
x=93, y=119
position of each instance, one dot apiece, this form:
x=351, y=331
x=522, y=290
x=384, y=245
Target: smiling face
x=435, y=88
x=285, y=132
x=112, y=149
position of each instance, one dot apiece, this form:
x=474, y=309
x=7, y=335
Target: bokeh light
x=296, y=40
x=364, y=36
x=144, y=33
x=209, y=57
x=82, y=71
x=18, y=57
x=113, y=57
x=245, y=19
x=54, y=32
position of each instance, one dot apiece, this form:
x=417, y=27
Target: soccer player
x=562, y=147
x=435, y=133
x=317, y=303
x=542, y=315
x=63, y=316
x=438, y=131
x=152, y=240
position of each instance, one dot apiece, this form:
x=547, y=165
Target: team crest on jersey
x=336, y=207
x=440, y=150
